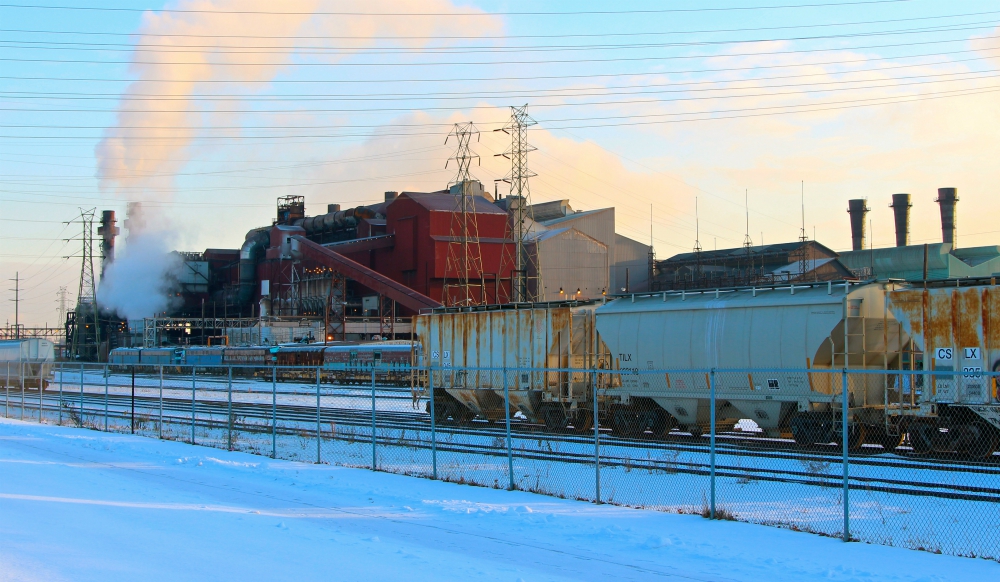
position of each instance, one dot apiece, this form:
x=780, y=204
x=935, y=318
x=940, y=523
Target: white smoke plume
x=143, y=280
x=179, y=54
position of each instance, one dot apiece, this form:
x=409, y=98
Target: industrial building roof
x=572, y=216
x=943, y=261
x=443, y=201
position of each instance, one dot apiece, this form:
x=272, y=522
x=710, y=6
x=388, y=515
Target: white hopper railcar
x=796, y=332
x=27, y=360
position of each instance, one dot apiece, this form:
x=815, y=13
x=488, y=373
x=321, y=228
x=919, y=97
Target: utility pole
x=17, y=304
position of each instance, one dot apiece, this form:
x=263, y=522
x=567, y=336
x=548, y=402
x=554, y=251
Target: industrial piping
x=858, y=209
x=948, y=198
x=334, y=220
x=901, y=212
x=254, y=245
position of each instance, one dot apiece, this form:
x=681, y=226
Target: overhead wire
x=505, y=36
x=491, y=62
x=459, y=14
x=300, y=49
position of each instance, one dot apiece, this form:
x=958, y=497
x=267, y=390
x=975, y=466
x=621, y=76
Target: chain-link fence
x=912, y=466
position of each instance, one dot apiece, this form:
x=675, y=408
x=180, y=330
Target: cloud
x=181, y=53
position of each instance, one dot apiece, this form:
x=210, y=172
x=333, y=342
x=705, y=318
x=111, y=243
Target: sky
x=206, y=111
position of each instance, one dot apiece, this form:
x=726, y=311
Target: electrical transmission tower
x=62, y=304
x=524, y=265
x=82, y=325
x=464, y=267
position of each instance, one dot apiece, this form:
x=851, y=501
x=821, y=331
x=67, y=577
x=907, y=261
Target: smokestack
x=858, y=209
x=390, y=196
x=947, y=198
x=901, y=211
x=331, y=208
x=108, y=232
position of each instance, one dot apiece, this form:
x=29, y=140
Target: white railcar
x=794, y=338
x=26, y=362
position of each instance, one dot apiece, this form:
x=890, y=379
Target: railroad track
x=732, y=442
x=480, y=438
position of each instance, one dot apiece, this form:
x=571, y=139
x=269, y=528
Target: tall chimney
x=331, y=208
x=947, y=198
x=901, y=211
x=858, y=209
x=108, y=231
x=390, y=196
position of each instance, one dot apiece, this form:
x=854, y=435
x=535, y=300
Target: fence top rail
x=397, y=367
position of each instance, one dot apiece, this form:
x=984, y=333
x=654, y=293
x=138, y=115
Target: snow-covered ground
x=81, y=505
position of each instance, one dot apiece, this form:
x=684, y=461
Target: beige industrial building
x=626, y=261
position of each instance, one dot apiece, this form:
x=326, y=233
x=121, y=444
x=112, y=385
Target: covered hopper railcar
x=26, y=362
x=784, y=346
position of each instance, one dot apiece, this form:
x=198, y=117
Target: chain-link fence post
x=60, y=370
x=597, y=442
x=274, y=411
x=506, y=413
x=81, y=393
x=160, y=429
x=132, y=414
x=106, y=380
x=711, y=442
x=844, y=441
x=373, y=416
x=319, y=436
x=229, y=410
x=194, y=397
x=6, y=393
x=41, y=389
x=20, y=368
x=434, y=456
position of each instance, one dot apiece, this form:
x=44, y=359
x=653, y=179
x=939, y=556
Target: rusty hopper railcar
x=955, y=327
x=790, y=327
x=27, y=360
x=514, y=338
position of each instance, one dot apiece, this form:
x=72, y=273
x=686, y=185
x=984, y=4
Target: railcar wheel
x=922, y=437
x=977, y=440
x=461, y=414
x=626, y=422
x=856, y=434
x=554, y=417
x=663, y=422
x=888, y=441
x=583, y=421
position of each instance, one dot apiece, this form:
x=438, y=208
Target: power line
x=459, y=14
x=714, y=115
x=482, y=63
x=300, y=49
x=506, y=36
x=542, y=77
x=892, y=84
x=676, y=87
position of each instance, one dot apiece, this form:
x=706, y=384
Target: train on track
x=920, y=360
x=26, y=362
x=348, y=363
